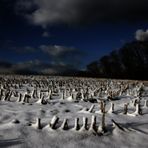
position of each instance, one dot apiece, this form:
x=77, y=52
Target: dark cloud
x=32, y=66
x=57, y=50
x=6, y=67
x=35, y=67
x=10, y=45
x=61, y=60
x=62, y=53
x=4, y=64
x=141, y=35
x=46, y=34
x=6, y=44
x=49, y=12
x=23, y=50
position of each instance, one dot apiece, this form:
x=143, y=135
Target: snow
x=29, y=125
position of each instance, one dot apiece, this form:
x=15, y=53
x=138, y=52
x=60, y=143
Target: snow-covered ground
x=30, y=105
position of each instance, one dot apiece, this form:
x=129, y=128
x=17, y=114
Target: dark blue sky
x=28, y=34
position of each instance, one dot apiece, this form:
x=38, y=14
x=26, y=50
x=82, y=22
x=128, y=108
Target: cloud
x=57, y=50
x=141, y=35
x=11, y=45
x=50, y=12
x=6, y=44
x=59, y=68
x=4, y=64
x=53, y=51
x=23, y=50
x=58, y=53
x=5, y=67
x=51, y=59
x=33, y=66
x=36, y=67
x=45, y=34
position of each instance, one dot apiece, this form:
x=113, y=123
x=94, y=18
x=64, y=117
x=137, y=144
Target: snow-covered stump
x=93, y=124
x=5, y=96
x=82, y=95
x=41, y=94
x=66, y=92
x=110, y=95
x=102, y=127
x=128, y=92
x=63, y=95
x=23, y=97
x=137, y=112
x=84, y=126
x=41, y=101
x=138, y=109
x=64, y=125
x=8, y=96
x=54, y=121
x=15, y=121
x=73, y=96
x=34, y=95
x=111, y=110
x=121, y=91
x=38, y=93
x=145, y=104
x=76, y=126
x=49, y=94
x=134, y=102
x=2, y=96
x=87, y=111
x=125, y=108
x=91, y=109
x=69, y=98
x=102, y=107
x=26, y=98
x=19, y=98
x=37, y=124
x=30, y=93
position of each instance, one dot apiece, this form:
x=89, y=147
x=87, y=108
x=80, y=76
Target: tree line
x=129, y=62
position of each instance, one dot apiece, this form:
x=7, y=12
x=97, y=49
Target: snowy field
x=66, y=112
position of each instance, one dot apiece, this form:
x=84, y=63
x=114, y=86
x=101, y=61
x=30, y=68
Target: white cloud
x=56, y=50
x=45, y=34
x=141, y=35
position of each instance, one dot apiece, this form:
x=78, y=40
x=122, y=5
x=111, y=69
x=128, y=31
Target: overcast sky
x=52, y=36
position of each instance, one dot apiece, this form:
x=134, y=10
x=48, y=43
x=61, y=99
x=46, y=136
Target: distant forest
x=129, y=62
